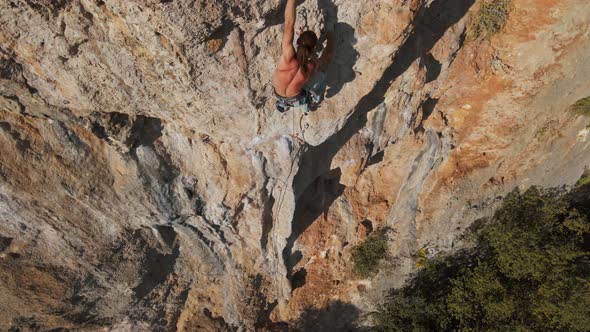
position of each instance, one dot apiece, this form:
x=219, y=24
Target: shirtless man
x=299, y=78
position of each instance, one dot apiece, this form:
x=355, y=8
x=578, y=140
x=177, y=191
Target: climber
x=299, y=79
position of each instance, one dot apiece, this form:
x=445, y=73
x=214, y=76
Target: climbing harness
x=309, y=97
x=285, y=103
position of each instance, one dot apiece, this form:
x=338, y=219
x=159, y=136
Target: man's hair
x=305, y=46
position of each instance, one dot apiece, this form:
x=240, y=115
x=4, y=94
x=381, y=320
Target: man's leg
x=316, y=87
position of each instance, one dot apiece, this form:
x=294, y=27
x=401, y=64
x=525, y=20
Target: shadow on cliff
x=337, y=316
x=315, y=202
x=341, y=70
x=327, y=188
x=429, y=26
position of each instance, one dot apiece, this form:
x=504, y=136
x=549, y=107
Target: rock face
x=147, y=183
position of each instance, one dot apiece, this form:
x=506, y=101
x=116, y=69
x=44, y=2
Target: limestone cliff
x=147, y=182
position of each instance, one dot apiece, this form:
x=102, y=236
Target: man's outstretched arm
x=289, y=32
x=328, y=53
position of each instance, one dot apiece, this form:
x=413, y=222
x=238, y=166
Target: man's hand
x=330, y=19
x=328, y=54
x=290, y=13
x=288, y=33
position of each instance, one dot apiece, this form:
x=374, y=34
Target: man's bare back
x=290, y=77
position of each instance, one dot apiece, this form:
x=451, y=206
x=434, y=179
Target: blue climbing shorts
x=285, y=103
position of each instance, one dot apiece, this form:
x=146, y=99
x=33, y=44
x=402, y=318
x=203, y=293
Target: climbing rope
x=297, y=155
x=293, y=128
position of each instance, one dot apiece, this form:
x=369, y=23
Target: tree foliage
x=366, y=256
x=529, y=271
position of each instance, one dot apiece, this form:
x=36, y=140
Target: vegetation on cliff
x=490, y=19
x=529, y=270
x=367, y=255
x=582, y=107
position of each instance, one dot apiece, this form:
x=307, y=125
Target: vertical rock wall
x=147, y=183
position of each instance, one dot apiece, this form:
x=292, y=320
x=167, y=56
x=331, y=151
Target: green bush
x=585, y=178
x=490, y=19
x=582, y=107
x=367, y=255
x=529, y=270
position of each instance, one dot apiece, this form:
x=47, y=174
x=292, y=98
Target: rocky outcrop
x=147, y=183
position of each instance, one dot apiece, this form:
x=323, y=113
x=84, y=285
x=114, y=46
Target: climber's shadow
x=341, y=70
x=429, y=26
x=315, y=164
